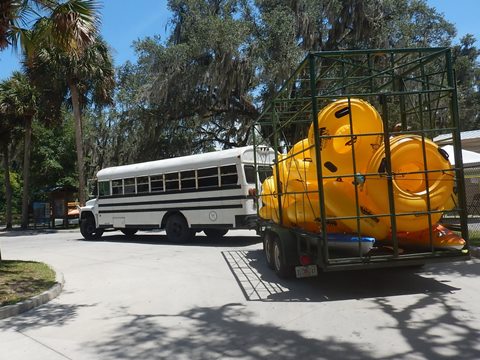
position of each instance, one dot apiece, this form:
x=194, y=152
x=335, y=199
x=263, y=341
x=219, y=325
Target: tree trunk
x=8, y=187
x=77, y=114
x=26, y=171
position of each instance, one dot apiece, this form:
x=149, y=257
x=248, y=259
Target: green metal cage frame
x=414, y=88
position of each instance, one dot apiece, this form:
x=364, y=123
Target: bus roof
x=190, y=162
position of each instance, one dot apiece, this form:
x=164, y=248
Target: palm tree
x=9, y=15
x=71, y=25
x=89, y=79
x=5, y=138
x=19, y=99
x=69, y=29
x=68, y=39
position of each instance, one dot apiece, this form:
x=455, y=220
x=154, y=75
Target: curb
x=40, y=299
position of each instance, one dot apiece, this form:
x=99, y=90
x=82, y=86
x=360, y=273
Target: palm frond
x=75, y=24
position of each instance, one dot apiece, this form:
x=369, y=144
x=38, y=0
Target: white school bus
x=211, y=192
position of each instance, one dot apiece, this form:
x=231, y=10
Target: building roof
x=468, y=157
x=470, y=140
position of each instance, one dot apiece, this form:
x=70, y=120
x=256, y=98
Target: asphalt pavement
x=143, y=298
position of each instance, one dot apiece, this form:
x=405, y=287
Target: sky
x=124, y=21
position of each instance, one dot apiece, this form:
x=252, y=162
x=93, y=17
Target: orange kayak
x=442, y=238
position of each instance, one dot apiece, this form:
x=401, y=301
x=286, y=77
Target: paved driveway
x=142, y=298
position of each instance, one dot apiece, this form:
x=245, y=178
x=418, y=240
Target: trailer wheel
x=268, y=249
x=280, y=266
x=88, y=229
x=177, y=229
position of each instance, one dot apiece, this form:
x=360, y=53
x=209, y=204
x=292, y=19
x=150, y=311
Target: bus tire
x=129, y=231
x=268, y=249
x=88, y=229
x=177, y=229
x=282, y=269
x=215, y=233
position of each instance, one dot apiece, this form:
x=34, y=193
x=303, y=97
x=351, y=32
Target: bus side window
x=142, y=185
x=188, y=179
x=249, y=174
x=117, y=187
x=129, y=186
x=171, y=181
x=103, y=188
x=156, y=183
x=207, y=178
x=228, y=175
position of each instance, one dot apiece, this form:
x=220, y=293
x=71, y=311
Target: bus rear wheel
x=177, y=229
x=215, y=233
x=88, y=229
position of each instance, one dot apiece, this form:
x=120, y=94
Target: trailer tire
x=268, y=239
x=282, y=269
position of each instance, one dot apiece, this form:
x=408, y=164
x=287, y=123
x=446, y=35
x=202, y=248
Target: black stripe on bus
x=218, y=198
x=236, y=206
x=211, y=226
x=154, y=227
x=168, y=192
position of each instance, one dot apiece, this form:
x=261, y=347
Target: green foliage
x=468, y=82
x=413, y=23
x=15, y=180
x=53, y=71
x=52, y=163
x=19, y=97
x=134, y=131
x=474, y=237
x=203, y=76
x=69, y=25
x=224, y=59
x=53, y=158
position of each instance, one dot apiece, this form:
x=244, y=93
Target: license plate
x=306, y=271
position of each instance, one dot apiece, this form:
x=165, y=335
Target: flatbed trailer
x=335, y=204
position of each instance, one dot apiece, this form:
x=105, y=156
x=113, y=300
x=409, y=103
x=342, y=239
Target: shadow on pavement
x=259, y=283
x=34, y=232
x=447, y=330
x=225, y=332
x=50, y=314
x=232, y=332
x=462, y=268
x=198, y=240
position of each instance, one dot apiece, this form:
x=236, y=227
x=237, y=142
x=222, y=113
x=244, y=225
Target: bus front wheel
x=177, y=229
x=88, y=229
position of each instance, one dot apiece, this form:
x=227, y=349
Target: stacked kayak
x=354, y=183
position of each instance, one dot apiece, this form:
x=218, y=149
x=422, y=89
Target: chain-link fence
x=472, y=190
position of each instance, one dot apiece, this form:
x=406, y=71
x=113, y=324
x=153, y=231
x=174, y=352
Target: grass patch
x=21, y=280
x=474, y=237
